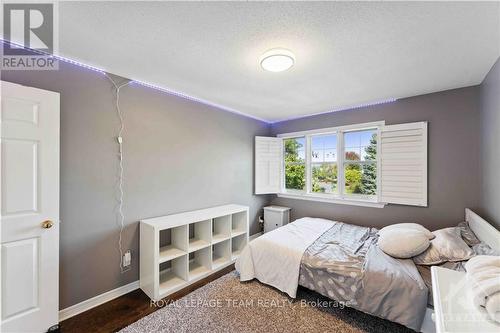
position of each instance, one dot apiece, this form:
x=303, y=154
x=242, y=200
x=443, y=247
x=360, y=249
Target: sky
x=324, y=147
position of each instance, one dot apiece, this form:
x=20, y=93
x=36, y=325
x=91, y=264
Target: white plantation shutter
x=268, y=160
x=403, y=164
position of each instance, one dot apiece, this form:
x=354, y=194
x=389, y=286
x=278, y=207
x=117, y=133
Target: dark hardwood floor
x=124, y=310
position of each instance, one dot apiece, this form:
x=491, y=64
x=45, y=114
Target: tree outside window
x=360, y=168
x=295, y=164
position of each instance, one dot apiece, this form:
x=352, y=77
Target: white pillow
x=403, y=243
x=411, y=226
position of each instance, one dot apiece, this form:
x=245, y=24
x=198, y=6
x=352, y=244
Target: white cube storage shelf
x=179, y=249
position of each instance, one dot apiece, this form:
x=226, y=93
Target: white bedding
x=275, y=257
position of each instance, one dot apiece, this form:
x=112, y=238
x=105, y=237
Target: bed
x=341, y=261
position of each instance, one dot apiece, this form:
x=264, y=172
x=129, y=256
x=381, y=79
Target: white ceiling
x=346, y=53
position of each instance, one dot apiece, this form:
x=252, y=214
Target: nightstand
x=275, y=217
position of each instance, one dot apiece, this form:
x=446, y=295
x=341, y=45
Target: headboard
x=483, y=230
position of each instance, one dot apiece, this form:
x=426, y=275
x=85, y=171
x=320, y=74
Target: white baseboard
x=97, y=300
x=251, y=238
x=107, y=296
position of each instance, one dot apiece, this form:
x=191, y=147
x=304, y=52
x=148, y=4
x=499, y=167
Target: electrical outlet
x=127, y=258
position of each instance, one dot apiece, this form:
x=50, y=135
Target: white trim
x=251, y=238
x=342, y=201
x=282, y=172
x=97, y=300
x=379, y=160
x=340, y=163
x=308, y=174
x=425, y=155
x=331, y=130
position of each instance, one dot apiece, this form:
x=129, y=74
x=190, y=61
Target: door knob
x=47, y=224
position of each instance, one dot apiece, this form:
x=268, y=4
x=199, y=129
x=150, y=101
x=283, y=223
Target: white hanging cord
x=120, y=176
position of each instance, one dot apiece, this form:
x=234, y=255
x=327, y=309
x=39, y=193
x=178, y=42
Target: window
x=368, y=164
x=338, y=163
x=324, y=163
x=360, y=162
x=295, y=164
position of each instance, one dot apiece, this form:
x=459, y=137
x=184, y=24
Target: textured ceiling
x=346, y=53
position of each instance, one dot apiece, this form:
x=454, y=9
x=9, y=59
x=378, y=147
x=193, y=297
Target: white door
x=29, y=208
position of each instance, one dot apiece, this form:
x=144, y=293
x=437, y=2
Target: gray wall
x=490, y=145
x=454, y=159
x=179, y=156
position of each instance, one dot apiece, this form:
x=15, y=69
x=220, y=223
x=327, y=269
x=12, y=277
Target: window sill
x=352, y=202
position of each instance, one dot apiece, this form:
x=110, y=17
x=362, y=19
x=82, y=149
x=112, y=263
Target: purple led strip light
x=354, y=107
x=145, y=84
x=195, y=99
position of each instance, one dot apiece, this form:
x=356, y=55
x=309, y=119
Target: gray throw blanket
x=345, y=264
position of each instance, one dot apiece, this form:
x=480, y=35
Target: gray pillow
x=467, y=234
x=447, y=246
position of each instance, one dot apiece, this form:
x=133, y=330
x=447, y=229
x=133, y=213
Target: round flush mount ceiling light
x=277, y=60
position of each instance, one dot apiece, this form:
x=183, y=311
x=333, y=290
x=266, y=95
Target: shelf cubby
x=173, y=274
x=221, y=228
x=173, y=243
x=200, y=263
x=179, y=249
x=200, y=235
x=237, y=245
x=221, y=254
x=239, y=223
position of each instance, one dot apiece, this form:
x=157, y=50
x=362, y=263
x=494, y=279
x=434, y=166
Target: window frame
x=339, y=197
